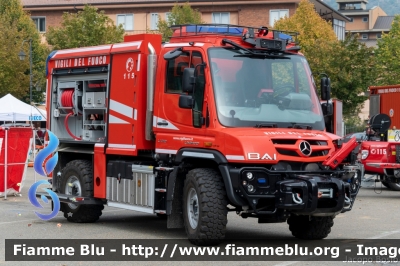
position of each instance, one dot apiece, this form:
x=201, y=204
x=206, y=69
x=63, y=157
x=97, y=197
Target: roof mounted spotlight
x=278, y=45
x=262, y=31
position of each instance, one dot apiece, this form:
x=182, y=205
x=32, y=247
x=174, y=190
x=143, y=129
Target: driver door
x=173, y=119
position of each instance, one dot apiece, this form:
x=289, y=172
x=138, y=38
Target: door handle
x=162, y=123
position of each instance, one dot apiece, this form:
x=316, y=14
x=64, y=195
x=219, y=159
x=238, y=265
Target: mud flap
x=174, y=200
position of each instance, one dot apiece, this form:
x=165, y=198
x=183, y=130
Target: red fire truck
x=221, y=119
x=382, y=158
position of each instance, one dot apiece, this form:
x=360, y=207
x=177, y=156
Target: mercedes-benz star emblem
x=305, y=148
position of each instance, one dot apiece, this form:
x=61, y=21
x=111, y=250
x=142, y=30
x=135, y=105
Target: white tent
x=12, y=109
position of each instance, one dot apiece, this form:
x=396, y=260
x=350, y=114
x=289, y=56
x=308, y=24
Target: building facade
x=137, y=16
x=369, y=24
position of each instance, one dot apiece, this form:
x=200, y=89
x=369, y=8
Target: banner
x=18, y=144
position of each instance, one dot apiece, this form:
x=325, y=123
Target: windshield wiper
x=300, y=126
x=272, y=125
x=263, y=55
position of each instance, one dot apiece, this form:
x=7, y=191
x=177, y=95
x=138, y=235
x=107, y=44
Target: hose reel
x=70, y=103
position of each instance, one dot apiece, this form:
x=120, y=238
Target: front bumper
x=318, y=193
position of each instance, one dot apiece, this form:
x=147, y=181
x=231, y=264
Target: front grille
x=290, y=147
x=287, y=152
x=397, y=153
x=293, y=141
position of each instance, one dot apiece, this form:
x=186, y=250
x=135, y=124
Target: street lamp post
x=22, y=56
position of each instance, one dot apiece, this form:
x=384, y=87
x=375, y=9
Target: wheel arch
x=66, y=156
x=207, y=158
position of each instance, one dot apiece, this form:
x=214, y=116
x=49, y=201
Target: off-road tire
x=317, y=228
x=393, y=186
x=211, y=208
x=385, y=184
x=162, y=216
x=80, y=171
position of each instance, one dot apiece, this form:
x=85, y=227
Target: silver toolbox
x=99, y=99
x=92, y=135
x=89, y=99
x=138, y=191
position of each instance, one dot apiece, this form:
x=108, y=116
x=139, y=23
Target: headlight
x=249, y=175
x=364, y=154
x=251, y=188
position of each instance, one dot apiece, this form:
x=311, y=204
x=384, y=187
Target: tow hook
x=347, y=201
x=325, y=193
x=296, y=198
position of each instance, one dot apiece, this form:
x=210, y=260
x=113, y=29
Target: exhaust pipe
x=151, y=81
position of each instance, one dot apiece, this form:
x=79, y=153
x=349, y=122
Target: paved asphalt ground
x=375, y=215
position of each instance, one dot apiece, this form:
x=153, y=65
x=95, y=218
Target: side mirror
x=188, y=80
x=325, y=88
x=186, y=101
x=327, y=108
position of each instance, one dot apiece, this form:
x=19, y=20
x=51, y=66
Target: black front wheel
x=393, y=186
x=204, y=207
x=306, y=227
x=385, y=184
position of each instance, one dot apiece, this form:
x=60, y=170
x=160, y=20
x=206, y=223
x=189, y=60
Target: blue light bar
x=48, y=59
x=215, y=29
x=283, y=36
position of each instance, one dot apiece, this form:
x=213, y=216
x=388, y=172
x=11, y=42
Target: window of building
x=126, y=20
x=221, y=18
x=40, y=23
x=339, y=28
x=167, y=17
x=275, y=15
x=154, y=21
x=365, y=19
x=364, y=36
x=379, y=35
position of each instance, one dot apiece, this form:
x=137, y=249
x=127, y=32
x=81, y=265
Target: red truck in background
x=382, y=158
x=221, y=119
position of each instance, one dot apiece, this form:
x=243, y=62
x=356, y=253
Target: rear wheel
x=393, y=186
x=204, y=207
x=305, y=227
x=386, y=184
x=77, y=180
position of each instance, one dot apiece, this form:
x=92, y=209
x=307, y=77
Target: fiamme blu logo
x=44, y=166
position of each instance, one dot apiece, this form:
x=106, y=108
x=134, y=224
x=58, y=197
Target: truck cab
x=220, y=119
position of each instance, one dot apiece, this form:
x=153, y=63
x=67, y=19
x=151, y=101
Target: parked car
x=360, y=136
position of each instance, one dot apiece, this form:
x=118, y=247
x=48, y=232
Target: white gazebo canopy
x=12, y=109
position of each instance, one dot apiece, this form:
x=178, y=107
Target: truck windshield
x=264, y=91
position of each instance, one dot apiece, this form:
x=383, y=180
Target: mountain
x=391, y=7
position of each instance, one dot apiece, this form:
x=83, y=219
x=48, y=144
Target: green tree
x=180, y=14
x=315, y=36
x=348, y=63
x=15, y=27
x=84, y=28
x=352, y=70
x=387, y=55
